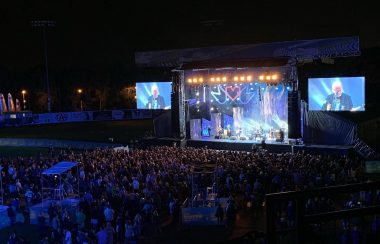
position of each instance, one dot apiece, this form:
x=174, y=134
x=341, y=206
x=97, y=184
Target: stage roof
x=60, y=168
x=302, y=49
x=262, y=62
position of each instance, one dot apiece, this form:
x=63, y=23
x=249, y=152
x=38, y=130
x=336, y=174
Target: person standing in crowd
x=129, y=232
x=102, y=236
x=68, y=238
x=231, y=215
x=219, y=214
x=108, y=213
x=164, y=173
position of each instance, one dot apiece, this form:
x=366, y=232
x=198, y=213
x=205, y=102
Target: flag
x=3, y=105
x=11, y=105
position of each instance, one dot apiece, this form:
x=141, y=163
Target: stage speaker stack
x=187, y=119
x=175, y=115
x=175, y=111
x=294, y=115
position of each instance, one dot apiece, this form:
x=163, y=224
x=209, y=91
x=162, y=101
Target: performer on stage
x=259, y=132
x=209, y=130
x=263, y=143
x=282, y=135
x=220, y=132
x=238, y=132
x=337, y=100
x=155, y=101
x=228, y=130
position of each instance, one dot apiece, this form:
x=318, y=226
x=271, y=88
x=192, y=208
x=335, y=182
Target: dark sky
x=95, y=34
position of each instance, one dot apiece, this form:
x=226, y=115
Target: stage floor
x=258, y=141
x=246, y=145
x=269, y=142
x=271, y=145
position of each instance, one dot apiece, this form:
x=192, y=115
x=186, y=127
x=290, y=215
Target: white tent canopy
x=60, y=168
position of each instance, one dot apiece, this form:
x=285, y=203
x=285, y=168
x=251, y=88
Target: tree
x=128, y=95
x=101, y=95
x=41, y=105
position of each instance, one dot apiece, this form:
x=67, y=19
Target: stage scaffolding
x=178, y=95
x=204, y=186
x=57, y=182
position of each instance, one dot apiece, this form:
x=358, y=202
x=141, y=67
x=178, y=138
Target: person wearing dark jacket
x=155, y=101
x=219, y=213
x=337, y=101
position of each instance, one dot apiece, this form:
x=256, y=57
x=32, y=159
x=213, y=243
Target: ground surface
x=121, y=131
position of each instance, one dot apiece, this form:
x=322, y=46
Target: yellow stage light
x=249, y=78
x=212, y=79
x=224, y=79
x=274, y=77
x=201, y=80
x=261, y=77
x=195, y=80
x=242, y=78
x=267, y=77
x=190, y=80
x=236, y=78
x=218, y=79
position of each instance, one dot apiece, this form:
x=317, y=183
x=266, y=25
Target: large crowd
x=126, y=195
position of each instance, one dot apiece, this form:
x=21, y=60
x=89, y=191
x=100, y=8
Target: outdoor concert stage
x=250, y=91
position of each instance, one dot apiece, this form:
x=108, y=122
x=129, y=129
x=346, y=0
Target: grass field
x=121, y=131
x=22, y=151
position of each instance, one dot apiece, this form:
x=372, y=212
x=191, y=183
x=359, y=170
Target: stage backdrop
x=327, y=128
x=248, y=106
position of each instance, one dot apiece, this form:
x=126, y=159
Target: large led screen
x=337, y=94
x=153, y=95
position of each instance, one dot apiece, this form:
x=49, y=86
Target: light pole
x=80, y=96
x=23, y=92
x=44, y=24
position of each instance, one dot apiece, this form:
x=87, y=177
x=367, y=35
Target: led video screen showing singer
x=153, y=95
x=337, y=94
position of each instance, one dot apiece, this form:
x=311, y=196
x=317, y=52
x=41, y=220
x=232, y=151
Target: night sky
x=97, y=33
x=95, y=41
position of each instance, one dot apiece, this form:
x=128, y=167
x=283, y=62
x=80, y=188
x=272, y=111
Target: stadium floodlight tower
x=44, y=24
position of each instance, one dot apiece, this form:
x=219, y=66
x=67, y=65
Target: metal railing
x=302, y=218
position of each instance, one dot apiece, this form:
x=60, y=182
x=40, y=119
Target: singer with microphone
x=337, y=101
x=155, y=101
